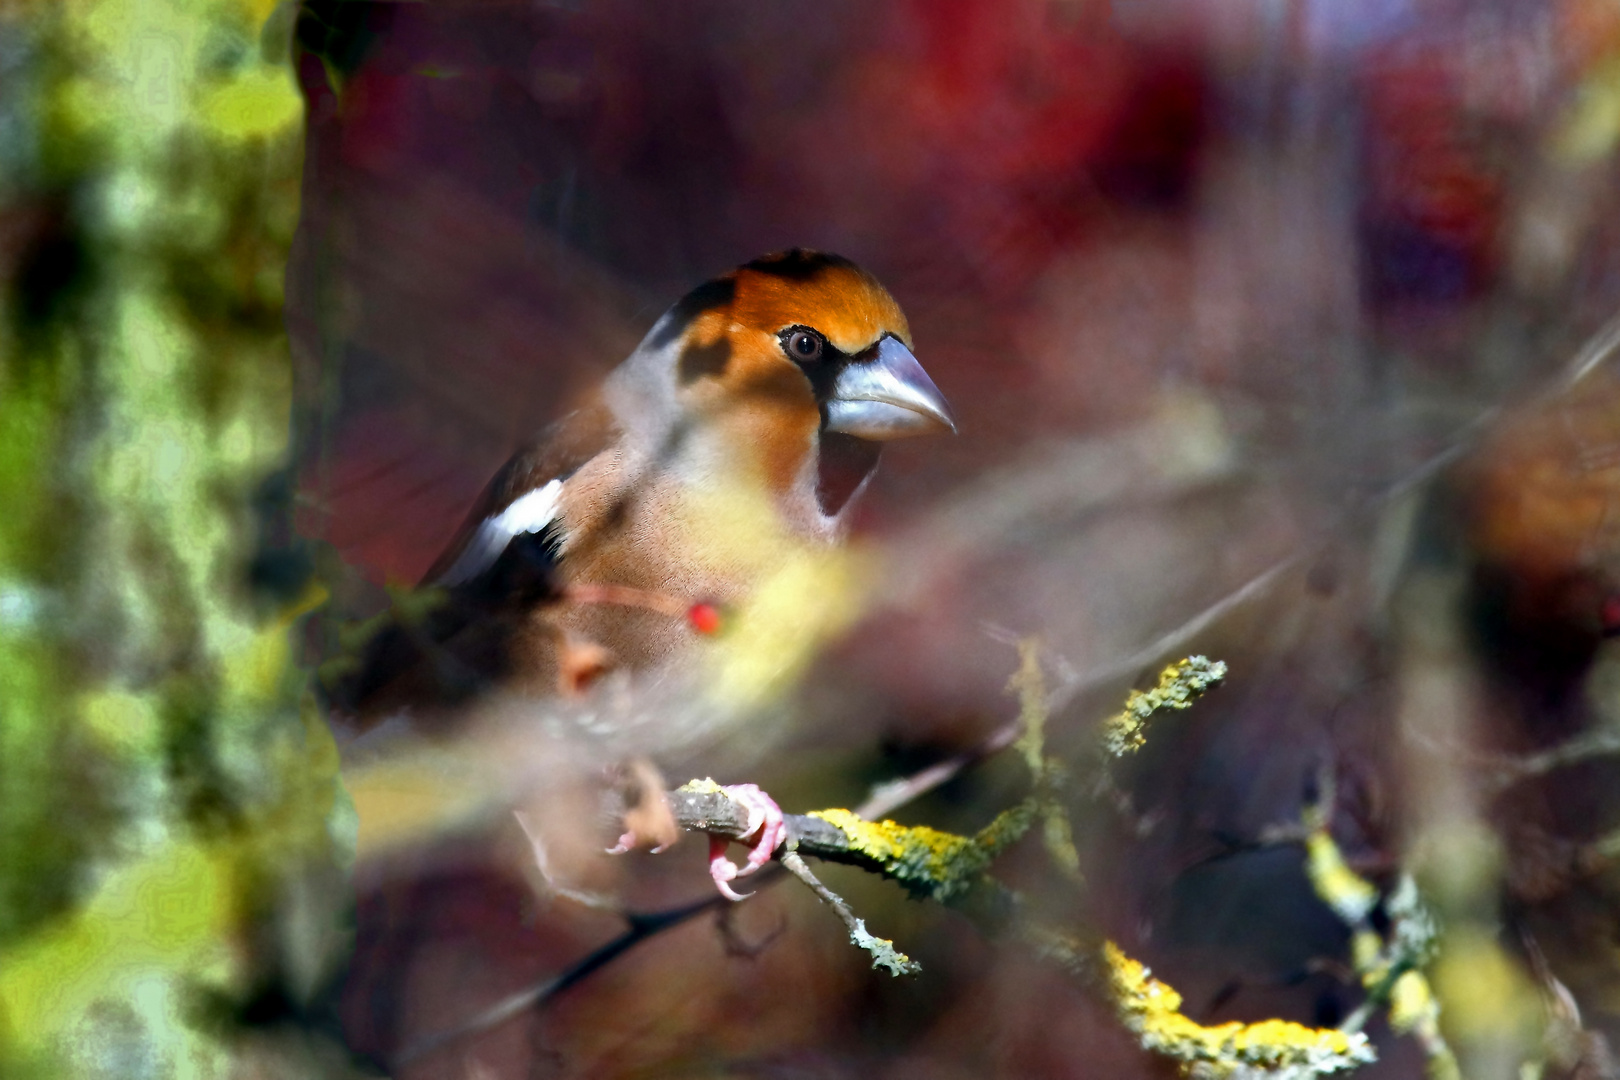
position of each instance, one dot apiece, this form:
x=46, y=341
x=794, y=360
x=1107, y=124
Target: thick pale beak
x=888, y=396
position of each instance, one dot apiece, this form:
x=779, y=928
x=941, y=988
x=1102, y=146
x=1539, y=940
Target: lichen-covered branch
x=929, y=863
x=1389, y=965
x=1152, y=1011
x=937, y=865
x=1028, y=684
x=1180, y=684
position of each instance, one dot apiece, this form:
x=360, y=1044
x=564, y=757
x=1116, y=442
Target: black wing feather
x=450, y=649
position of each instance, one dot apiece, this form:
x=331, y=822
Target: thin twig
x=794, y=864
x=1598, y=349
x=731, y=938
x=1178, y=638
x=1510, y=770
x=641, y=927
x=883, y=952
x=888, y=797
x=1175, y=640
x=1500, y=772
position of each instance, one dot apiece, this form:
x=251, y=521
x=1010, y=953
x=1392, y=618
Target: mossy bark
x=171, y=825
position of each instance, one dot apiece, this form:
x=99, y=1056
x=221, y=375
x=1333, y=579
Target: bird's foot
x=649, y=821
x=766, y=831
x=581, y=664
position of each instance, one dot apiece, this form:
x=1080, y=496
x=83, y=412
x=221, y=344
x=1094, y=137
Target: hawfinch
x=747, y=421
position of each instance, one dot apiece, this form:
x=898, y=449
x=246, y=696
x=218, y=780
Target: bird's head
x=798, y=343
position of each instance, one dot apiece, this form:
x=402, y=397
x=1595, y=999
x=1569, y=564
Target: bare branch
x=641, y=927
x=1508, y=771
x=886, y=798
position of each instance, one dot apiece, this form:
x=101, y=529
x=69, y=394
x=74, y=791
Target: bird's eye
x=803, y=346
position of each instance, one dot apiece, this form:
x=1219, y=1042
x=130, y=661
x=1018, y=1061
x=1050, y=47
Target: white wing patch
x=529, y=513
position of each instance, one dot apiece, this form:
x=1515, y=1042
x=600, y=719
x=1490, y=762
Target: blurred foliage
x=171, y=828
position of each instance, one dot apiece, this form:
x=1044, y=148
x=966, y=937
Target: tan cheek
x=759, y=387
x=758, y=369
x=779, y=386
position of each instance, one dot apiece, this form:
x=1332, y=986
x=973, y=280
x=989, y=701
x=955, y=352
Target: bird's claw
x=630, y=841
x=767, y=829
x=649, y=821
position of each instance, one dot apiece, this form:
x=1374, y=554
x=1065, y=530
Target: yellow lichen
x=706, y=786
x=1030, y=689
x=1366, y=949
x=1028, y=685
x=1411, y=1002
x=931, y=863
x=1350, y=895
x=1388, y=969
x=1152, y=1010
x=1179, y=686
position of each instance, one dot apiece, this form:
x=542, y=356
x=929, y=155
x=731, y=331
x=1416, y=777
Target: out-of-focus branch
x=888, y=797
x=1390, y=963
x=1504, y=772
x=639, y=929
x=1597, y=351
x=1498, y=772
x=1179, y=451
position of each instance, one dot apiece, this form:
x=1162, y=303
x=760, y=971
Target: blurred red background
x=1250, y=266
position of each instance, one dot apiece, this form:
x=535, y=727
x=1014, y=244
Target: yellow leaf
x=255, y=104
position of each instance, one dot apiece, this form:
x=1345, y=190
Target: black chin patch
x=843, y=463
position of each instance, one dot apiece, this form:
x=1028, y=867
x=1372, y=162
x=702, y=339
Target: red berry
x=1611, y=615
x=705, y=618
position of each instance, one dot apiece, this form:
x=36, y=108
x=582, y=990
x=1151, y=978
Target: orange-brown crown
x=798, y=287
x=730, y=357
x=812, y=288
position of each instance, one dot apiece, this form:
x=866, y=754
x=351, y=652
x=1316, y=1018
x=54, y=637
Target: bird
x=743, y=427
